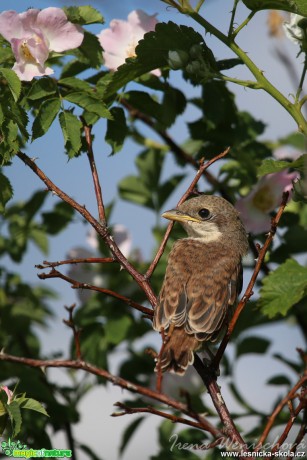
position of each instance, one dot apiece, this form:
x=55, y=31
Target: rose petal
x=27, y=71
x=61, y=34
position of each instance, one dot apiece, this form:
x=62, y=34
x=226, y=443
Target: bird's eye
x=204, y=213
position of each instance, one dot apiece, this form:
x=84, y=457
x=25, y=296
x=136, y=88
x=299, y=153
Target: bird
x=202, y=281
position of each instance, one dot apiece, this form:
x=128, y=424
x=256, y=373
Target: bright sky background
x=102, y=432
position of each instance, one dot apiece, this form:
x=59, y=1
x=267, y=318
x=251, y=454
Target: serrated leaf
x=75, y=83
x=13, y=82
x=6, y=191
x=152, y=52
x=90, y=51
x=252, y=345
x=128, y=433
x=273, y=166
x=15, y=416
x=32, y=404
x=89, y=103
x=71, y=128
x=42, y=88
x=283, y=288
x=293, y=6
x=46, y=115
x=83, y=15
x=117, y=130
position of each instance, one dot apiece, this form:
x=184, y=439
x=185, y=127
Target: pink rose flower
x=33, y=34
x=119, y=42
x=256, y=207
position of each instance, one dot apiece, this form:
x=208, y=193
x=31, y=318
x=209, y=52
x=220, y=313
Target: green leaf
x=116, y=329
x=226, y=64
x=293, y=6
x=57, y=219
x=90, y=52
x=283, y=288
x=252, y=345
x=6, y=191
x=117, y=130
x=273, y=166
x=89, y=452
x=75, y=83
x=42, y=88
x=15, y=416
x=128, y=433
x=32, y=404
x=39, y=237
x=152, y=52
x=296, y=140
x=13, y=82
x=132, y=189
x=71, y=128
x=279, y=380
x=46, y=115
x=83, y=15
x=90, y=103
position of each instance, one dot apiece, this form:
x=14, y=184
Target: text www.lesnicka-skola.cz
x=263, y=454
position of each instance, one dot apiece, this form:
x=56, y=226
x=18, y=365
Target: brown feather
x=202, y=281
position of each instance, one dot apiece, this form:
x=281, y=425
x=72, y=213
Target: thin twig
x=209, y=378
x=249, y=290
x=289, y=425
x=76, y=331
x=291, y=394
x=152, y=410
x=203, y=166
x=77, y=285
x=88, y=260
x=100, y=228
x=133, y=387
x=91, y=159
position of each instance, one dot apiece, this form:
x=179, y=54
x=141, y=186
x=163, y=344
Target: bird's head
x=210, y=218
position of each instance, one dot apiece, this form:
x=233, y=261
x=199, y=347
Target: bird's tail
x=177, y=352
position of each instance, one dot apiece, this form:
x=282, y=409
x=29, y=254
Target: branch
x=290, y=423
x=77, y=285
x=100, y=228
x=91, y=159
x=291, y=395
x=249, y=290
x=90, y=260
x=152, y=410
x=209, y=378
x=76, y=332
x=133, y=387
x=203, y=167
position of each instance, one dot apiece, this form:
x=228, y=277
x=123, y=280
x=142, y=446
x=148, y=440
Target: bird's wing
x=198, y=288
x=210, y=294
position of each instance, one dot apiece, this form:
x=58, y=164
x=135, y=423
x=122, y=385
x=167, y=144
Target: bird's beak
x=179, y=216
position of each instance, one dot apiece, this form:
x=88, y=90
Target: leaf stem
x=233, y=13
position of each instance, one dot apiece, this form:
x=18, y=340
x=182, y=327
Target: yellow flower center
x=130, y=50
x=263, y=199
x=25, y=51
